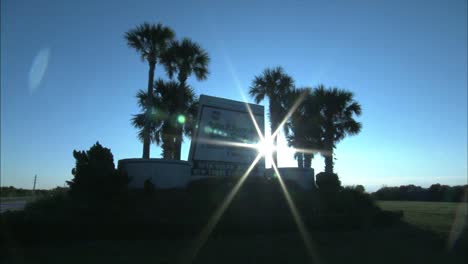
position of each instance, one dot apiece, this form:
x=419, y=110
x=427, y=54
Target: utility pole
x=35, y=180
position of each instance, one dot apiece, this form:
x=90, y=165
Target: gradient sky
x=68, y=78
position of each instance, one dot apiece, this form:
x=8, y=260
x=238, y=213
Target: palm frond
x=149, y=40
x=185, y=58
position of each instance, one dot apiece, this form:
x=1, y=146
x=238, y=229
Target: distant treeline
x=19, y=192
x=435, y=193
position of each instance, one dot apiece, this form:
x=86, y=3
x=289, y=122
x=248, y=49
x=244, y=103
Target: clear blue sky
x=68, y=78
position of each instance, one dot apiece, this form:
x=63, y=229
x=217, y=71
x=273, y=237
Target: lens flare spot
x=38, y=69
x=181, y=119
x=208, y=130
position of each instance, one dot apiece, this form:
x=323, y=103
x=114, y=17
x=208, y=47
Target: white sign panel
x=225, y=138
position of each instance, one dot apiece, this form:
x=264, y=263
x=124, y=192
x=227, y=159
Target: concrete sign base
x=164, y=174
x=302, y=176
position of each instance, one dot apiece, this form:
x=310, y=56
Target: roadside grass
x=19, y=198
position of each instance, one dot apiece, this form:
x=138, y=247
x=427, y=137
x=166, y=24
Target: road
x=12, y=205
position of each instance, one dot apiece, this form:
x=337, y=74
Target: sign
x=225, y=137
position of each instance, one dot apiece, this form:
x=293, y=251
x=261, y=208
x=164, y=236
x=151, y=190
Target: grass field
x=438, y=217
x=399, y=244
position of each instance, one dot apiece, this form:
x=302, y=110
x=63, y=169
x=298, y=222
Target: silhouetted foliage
x=258, y=206
x=167, y=108
x=359, y=205
x=148, y=187
x=174, y=105
x=304, y=125
x=328, y=182
x=182, y=59
x=323, y=117
x=435, y=193
x=337, y=109
x=360, y=188
x=151, y=42
x=94, y=175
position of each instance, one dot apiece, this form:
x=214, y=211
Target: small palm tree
x=337, y=111
x=180, y=114
x=183, y=59
x=165, y=116
x=273, y=84
x=151, y=42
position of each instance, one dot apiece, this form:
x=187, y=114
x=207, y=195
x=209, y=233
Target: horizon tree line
x=323, y=117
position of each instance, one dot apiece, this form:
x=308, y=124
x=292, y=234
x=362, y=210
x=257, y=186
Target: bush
x=328, y=182
x=360, y=188
x=258, y=206
x=148, y=187
x=360, y=206
x=95, y=176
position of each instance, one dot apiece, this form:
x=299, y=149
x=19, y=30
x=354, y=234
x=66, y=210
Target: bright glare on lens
x=265, y=147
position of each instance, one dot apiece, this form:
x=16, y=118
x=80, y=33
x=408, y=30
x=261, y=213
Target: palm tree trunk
x=167, y=142
x=180, y=131
x=275, y=153
x=146, y=140
x=328, y=144
x=273, y=126
x=300, y=160
x=178, y=144
x=307, y=161
x=329, y=156
x=329, y=163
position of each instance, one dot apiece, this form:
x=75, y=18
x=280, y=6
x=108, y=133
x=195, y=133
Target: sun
x=265, y=147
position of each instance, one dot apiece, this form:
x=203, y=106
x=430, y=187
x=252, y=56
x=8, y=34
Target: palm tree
x=183, y=59
x=304, y=125
x=337, y=111
x=165, y=121
x=274, y=84
x=151, y=42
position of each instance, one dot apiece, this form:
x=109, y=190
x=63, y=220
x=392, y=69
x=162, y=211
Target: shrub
x=95, y=176
x=328, y=182
x=259, y=205
x=148, y=187
x=360, y=188
x=359, y=205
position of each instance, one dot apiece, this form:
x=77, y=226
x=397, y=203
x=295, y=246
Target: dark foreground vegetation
x=259, y=207
x=99, y=207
